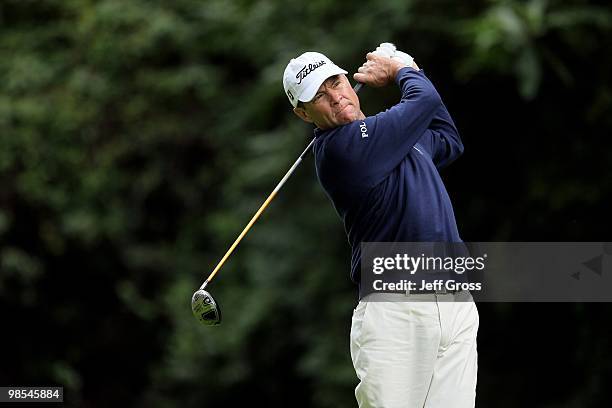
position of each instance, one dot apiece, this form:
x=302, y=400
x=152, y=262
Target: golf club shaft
x=257, y=214
x=246, y=229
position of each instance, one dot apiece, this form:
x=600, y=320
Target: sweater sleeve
x=442, y=140
x=365, y=152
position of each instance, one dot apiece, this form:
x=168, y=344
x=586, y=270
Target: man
x=381, y=174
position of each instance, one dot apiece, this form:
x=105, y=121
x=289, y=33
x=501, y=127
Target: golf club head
x=205, y=309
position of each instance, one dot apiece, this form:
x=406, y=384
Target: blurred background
x=138, y=138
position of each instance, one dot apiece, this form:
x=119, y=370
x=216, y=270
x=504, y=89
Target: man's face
x=334, y=104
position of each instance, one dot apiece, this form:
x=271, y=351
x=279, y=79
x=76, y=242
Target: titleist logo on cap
x=307, y=70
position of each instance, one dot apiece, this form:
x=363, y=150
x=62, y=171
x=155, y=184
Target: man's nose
x=335, y=97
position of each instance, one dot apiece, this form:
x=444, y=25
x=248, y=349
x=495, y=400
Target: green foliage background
x=138, y=137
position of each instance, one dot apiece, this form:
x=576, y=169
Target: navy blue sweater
x=381, y=173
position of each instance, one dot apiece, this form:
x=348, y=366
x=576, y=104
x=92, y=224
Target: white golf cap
x=305, y=74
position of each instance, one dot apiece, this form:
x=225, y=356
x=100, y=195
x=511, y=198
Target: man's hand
x=378, y=71
x=389, y=50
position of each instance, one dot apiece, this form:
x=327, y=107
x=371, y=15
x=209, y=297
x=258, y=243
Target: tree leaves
x=137, y=138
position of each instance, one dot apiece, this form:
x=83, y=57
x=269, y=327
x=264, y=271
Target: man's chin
x=346, y=116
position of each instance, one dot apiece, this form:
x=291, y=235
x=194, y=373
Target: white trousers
x=415, y=354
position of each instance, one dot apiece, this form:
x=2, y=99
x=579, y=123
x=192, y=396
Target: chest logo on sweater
x=364, y=130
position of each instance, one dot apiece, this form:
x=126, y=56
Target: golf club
x=203, y=305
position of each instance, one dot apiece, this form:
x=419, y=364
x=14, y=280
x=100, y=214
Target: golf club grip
x=261, y=209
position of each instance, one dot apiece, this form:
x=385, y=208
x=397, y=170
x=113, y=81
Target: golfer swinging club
x=381, y=174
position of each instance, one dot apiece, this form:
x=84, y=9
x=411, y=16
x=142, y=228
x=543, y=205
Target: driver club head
x=205, y=309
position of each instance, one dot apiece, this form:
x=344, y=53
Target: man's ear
x=302, y=114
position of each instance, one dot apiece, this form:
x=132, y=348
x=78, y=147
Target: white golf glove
x=389, y=50
x=385, y=50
